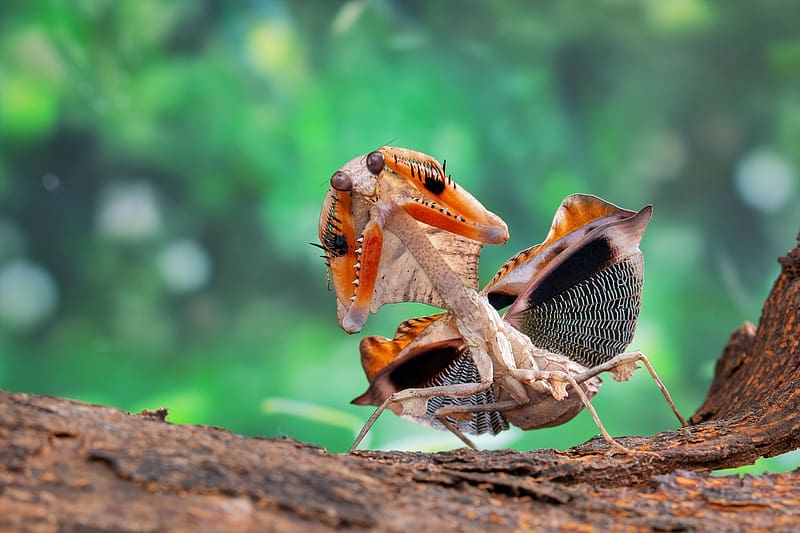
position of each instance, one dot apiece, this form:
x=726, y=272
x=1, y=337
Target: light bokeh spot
x=184, y=266
x=129, y=211
x=765, y=180
x=28, y=295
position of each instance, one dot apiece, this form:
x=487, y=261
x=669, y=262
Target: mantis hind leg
x=555, y=379
x=620, y=368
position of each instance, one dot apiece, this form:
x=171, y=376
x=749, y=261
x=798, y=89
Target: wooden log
x=68, y=466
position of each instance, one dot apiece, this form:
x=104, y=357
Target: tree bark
x=69, y=466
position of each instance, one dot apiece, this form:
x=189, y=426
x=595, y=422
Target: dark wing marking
x=592, y=320
x=463, y=370
x=584, y=303
x=436, y=356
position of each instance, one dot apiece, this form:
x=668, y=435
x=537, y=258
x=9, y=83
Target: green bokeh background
x=220, y=123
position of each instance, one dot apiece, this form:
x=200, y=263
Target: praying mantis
x=395, y=227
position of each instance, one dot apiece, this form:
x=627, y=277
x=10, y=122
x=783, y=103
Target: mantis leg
x=413, y=397
x=448, y=410
x=368, y=260
x=622, y=363
x=492, y=232
x=438, y=201
x=551, y=376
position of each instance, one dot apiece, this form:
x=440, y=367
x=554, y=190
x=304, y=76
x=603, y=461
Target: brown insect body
x=523, y=274
x=437, y=351
x=574, y=301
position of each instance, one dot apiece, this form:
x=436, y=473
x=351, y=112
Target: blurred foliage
x=162, y=166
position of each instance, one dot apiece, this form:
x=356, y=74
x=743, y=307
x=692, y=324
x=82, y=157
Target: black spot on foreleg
x=436, y=186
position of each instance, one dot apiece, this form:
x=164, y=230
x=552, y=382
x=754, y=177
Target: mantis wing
x=583, y=293
x=426, y=352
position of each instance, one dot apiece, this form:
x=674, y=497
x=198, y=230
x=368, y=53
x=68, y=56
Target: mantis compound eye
x=375, y=162
x=341, y=181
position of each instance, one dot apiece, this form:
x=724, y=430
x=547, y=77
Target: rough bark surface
x=68, y=466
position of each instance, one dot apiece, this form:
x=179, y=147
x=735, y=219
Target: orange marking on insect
x=363, y=282
x=365, y=191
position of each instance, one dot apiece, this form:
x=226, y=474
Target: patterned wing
x=426, y=352
x=584, y=302
x=463, y=370
x=591, y=321
x=578, y=215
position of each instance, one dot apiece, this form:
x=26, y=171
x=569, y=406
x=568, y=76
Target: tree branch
x=67, y=465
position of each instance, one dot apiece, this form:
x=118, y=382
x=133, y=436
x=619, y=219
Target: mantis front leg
x=368, y=255
x=368, y=192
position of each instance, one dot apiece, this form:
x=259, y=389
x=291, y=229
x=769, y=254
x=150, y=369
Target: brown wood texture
x=71, y=466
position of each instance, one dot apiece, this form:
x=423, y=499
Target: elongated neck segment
x=458, y=298
x=481, y=327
